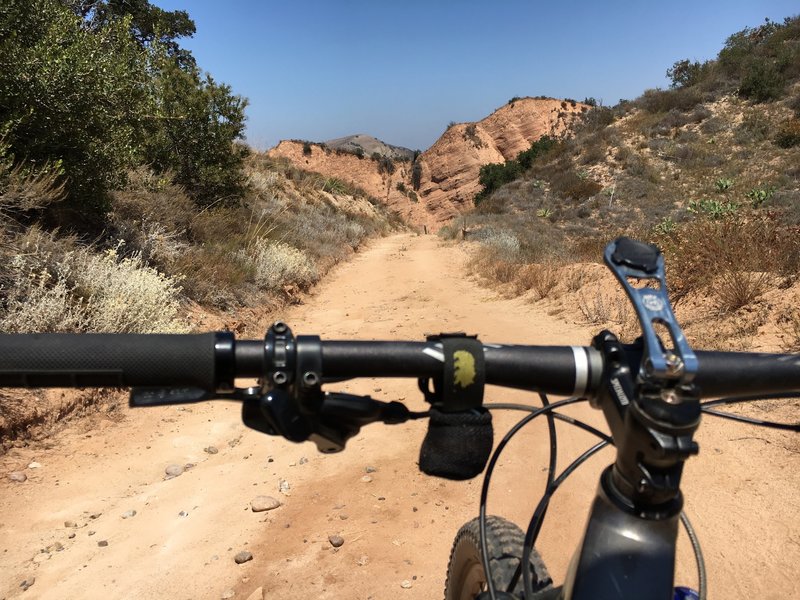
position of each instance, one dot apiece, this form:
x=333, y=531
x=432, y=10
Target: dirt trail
x=742, y=491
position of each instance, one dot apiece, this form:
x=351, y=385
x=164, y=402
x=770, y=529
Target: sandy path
x=398, y=526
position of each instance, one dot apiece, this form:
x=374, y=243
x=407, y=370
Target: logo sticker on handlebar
x=652, y=302
x=464, y=373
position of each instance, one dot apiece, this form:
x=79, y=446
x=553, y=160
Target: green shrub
x=401, y=187
x=416, y=175
x=712, y=208
x=306, y=148
x=758, y=196
x=385, y=165
x=198, y=122
x=684, y=73
x=71, y=96
x=761, y=81
x=723, y=184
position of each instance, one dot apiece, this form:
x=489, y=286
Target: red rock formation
x=450, y=167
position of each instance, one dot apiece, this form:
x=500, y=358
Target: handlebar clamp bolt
x=279, y=327
x=674, y=365
x=670, y=397
x=279, y=377
x=310, y=379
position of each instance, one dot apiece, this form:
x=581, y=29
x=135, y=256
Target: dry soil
x=743, y=491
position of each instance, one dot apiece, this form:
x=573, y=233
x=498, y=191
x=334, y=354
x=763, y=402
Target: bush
x=761, y=81
x=416, y=176
x=570, y=185
x=471, y=135
x=71, y=96
x=278, y=265
x=789, y=134
x=684, y=73
x=81, y=291
x=385, y=164
x=755, y=127
x=682, y=99
x=200, y=120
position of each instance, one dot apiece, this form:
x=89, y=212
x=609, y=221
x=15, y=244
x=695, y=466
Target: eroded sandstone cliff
x=449, y=169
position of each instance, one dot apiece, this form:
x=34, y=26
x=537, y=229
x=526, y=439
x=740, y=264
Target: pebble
x=262, y=503
x=102, y=543
x=34, y=465
x=183, y=513
x=303, y=460
x=70, y=524
x=258, y=594
x=343, y=516
x=27, y=582
x=210, y=450
x=95, y=515
x=17, y=476
x=363, y=560
x=92, y=532
x=370, y=469
x=128, y=514
x=173, y=471
x=72, y=535
x=405, y=584
x=336, y=541
x=243, y=557
x=227, y=594
x=284, y=487
x=366, y=478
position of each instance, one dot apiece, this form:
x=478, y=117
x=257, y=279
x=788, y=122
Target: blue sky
x=402, y=70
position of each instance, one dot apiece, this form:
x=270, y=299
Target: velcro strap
x=464, y=374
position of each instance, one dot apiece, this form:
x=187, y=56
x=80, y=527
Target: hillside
x=709, y=170
x=165, y=264
x=366, y=145
x=443, y=180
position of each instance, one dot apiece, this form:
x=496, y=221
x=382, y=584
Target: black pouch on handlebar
x=460, y=436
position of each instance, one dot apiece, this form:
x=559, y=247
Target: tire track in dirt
x=398, y=525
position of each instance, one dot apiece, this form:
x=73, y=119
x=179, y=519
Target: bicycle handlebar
x=211, y=361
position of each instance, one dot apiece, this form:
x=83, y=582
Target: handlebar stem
x=652, y=425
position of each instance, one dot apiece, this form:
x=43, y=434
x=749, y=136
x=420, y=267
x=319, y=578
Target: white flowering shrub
x=89, y=292
x=278, y=264
x=504, y=244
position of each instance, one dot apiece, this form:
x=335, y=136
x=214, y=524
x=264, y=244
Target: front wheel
x=466, y=579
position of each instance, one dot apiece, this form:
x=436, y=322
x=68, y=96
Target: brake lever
x=146, y=396
x=629, y=258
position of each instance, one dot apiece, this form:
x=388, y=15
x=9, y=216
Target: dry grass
x=542, y=279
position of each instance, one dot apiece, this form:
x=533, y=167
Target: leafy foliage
x=193, y=131
x=494, y=175
x=98, y=87
x=70, y=95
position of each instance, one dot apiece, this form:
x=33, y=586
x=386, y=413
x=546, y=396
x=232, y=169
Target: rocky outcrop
x=450, y=168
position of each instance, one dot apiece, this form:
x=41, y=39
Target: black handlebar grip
x=108, y=360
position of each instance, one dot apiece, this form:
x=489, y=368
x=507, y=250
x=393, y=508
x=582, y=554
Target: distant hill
x=368, y=145
x=442, y=182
